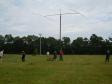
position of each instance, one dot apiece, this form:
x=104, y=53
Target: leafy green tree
x=31, y=44
x=8, y=39
x=66, y=45
x=1, y=40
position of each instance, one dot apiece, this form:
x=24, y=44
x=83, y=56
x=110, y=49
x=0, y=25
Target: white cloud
x=23, y=17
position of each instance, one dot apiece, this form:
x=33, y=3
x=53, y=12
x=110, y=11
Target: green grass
x=75, y=69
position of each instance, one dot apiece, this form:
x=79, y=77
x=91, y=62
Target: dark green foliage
x=31, y=44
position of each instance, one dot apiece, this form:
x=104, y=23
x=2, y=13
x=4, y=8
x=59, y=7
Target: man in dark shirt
x=55, y=55
x=23, y=56
x=107, y=56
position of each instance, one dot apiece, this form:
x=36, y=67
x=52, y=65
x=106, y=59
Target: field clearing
x=75, y=69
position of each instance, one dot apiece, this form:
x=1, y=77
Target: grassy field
x=75, y=69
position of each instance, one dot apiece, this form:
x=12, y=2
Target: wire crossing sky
x=26, y=17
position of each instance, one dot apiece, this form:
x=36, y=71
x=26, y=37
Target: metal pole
x=40, y=42
x=60, y=26
x=60, y=14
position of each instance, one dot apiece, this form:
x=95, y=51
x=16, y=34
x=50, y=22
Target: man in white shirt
x=49, y=58
x=1, y=55
x=47, y=53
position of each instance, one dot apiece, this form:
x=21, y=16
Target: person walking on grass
x=107, y=56
x=48, y=56
x=47, y=53
x=23, y=56
x=61, y=55
x=1, y=55
x=54, y=55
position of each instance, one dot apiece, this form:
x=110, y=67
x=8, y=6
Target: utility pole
x=40, y=42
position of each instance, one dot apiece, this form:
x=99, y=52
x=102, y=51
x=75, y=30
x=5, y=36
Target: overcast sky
x=26, y=17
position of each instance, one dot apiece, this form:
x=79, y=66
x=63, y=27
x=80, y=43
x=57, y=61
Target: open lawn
x=76, y=69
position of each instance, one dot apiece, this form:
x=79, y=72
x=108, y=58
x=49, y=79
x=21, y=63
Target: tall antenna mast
x=60, y=14
x=60, y=25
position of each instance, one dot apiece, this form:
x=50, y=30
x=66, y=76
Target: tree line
x=31, y=44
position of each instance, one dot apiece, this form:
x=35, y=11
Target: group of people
x=2, y=54
x=55, y=55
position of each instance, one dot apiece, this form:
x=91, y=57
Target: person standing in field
x=23, y=56
x=107, y=56
x=48, y=56
x=47, y=53
x=54, y=55
x=1, y=55
x=61, y=55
